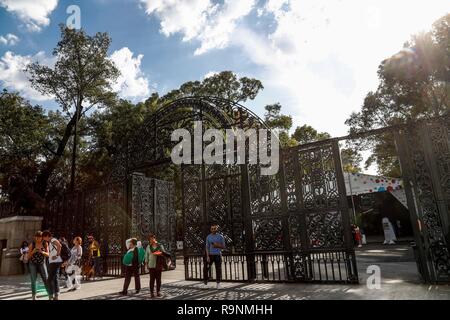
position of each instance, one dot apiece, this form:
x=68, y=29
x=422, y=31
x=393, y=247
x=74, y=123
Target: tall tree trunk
x=74, y=152
x=40, y=186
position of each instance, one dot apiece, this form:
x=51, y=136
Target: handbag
x=161, y=263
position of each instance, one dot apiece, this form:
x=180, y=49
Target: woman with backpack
x=54, y=264
x=155, y=259
x=38, y=252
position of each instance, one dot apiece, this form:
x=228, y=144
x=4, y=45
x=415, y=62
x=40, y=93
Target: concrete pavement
x=399, y=280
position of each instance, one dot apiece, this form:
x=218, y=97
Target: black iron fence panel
x=315, y=208
x=134, y=207
x=193, y=220
x=322, y=267
x=101, y=212
x=293, y=226
x=425, y=157
x=153, y=211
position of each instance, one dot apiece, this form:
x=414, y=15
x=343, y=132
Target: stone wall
x=15, y=230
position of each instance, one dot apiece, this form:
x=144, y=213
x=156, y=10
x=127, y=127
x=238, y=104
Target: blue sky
x=318, y=58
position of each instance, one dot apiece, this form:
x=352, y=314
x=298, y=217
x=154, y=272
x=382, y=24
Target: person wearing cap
x=94, y=254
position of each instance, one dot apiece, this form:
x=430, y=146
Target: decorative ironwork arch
x=259, y=227
x=150, y=145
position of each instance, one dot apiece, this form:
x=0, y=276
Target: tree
x=351, y=160
x=414, y=84
x=306, y=134
x=225, y=85
x=24, y=133
x=80, y=80
x=108, y=132
x=280, y=123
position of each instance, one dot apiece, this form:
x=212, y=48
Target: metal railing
x=323, y=266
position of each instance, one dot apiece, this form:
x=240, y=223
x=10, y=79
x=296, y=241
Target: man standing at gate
x=215, y=243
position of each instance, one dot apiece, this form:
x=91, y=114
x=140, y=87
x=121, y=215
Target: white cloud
x=202, y=20
x=132, y=83
x=9, y=40
x=210, y=74
x=319, y=57
x=13, y=76
x=34, y=13
x=325, y=54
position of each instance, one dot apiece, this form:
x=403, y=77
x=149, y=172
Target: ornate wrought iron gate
x=130, y=208
x=99, y=211
x=290, y=227
x=293, y=226
x=153, y=211
x=424, y=151
x=315, y=202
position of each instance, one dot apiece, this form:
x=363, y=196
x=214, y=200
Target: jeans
x=97, y=261
x=34, y=270
x=217, y=260
x=53, y=271
x=155, y=275
x=25, y=267
x=129, y=272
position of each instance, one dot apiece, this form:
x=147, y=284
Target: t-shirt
x=94, y=249
x=76, y=254
x=214, y=238
x=53, y=252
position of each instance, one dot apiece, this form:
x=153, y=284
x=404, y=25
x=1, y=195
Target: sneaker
x=123, y=293
x=159, y=295
x=392, y=242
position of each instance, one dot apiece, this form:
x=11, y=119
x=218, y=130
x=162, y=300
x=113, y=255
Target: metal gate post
x=405, y=157
x=301, y=215
x=248, y=228
x=288, y=255
x=432, y=161
x=343, y=206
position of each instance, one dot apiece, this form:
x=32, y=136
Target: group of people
x=50, y=257
x=388, y=230
x=154, y=257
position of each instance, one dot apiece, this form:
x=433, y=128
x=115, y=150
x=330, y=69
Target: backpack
x=128, y=258
x=66, y=254
x=141, y=255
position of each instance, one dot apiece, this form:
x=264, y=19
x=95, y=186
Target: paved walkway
x=399, y=280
